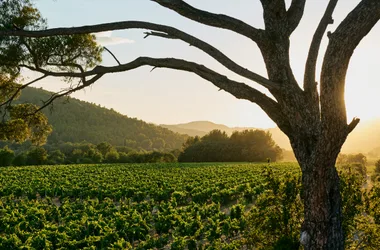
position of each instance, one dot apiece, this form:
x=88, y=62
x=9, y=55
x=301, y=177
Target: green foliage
x=37, y=156
x=275, y=220
x=149, y=206
x=84, y=153
x=376, y=176
x=245, y=146
x=366, y=227
x=20, y=159
x=104, y=148
x=151, y=157
x=22, y=121
x=95, y=155
x=352, y=201
x=377, y=167
x=62, y=52
x=112, y=157
x=56, y=157
x=353, y=163
x=162, y=206
x=6, y=156
x=147, y=144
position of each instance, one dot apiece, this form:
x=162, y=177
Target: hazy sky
x=168, y=96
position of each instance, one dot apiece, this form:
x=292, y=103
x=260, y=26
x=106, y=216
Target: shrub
x=6, y=156
x=20, y=160
x=377, y=167
x=112, y=157
x=37, y=156
x=56, y=157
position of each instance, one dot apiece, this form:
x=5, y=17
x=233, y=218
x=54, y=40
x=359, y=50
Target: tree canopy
x=244, y=146
x=69, y=53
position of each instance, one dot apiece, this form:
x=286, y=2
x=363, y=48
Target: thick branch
x=65, y=64
x=163, y=31
x=338, y=54
x=294, y=14
x=311, y=63
x=211, y=19
x=275, y=50
x=67, y=92
x=275, y=17
x=218, y=79
x=216, y=54
x=237, y=89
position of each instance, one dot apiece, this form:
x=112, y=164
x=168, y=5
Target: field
x=140, y=206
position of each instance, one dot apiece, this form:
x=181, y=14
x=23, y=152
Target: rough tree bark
x=315, y=122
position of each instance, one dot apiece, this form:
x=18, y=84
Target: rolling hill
x=200, y=128
x=77, y=121
x=364, y=139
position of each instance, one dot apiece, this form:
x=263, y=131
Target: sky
x=165, y=96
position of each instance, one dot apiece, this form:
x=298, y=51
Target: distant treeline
x=80, y=153
x=244, y=146
x=216, y=146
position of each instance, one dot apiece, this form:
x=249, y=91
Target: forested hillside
x=77, y=121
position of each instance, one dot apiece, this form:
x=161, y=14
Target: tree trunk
x=322, y=227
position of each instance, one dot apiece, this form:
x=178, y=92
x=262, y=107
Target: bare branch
x=353, y=124
x=114, y=57
x=153, y=69
x=67, y=92
x=211, y=19
x=63, y=64
x=162, y=31
x=30, y=50
x=294, y=14
x=11, y=99
x=311, y=63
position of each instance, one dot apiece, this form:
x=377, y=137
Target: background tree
x=78, y=52
x=6, y=156
x=104, y=148
x=56, y=157
x=37, y=156
x=112, y=156
x=95, y=155
x=244, y=146
x=20, y=159
x=315, y=121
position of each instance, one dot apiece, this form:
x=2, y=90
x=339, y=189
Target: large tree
x=315, y=121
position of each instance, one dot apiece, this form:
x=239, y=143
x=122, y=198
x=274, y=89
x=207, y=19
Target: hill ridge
x=75, y=121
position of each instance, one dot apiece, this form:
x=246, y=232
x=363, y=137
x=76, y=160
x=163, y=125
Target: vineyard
x=136, y=206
